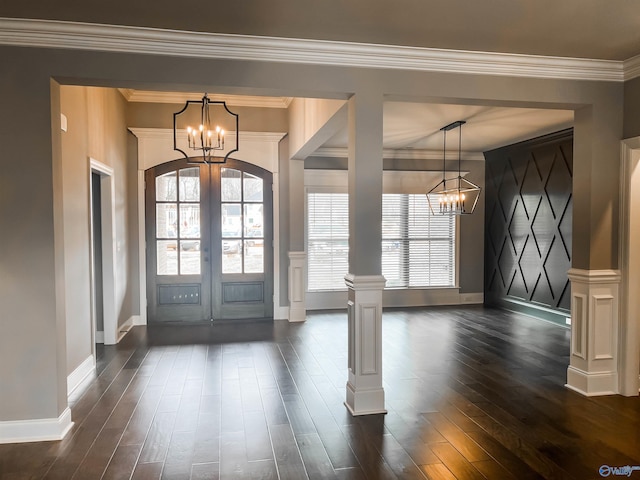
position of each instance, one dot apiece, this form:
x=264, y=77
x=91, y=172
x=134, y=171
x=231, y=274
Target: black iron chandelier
x=202, y=127
x=454, y=195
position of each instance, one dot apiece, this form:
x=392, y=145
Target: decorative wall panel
x=528, y=222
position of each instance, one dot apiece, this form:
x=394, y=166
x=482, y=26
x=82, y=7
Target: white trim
x=40, y=430
x=594, y=276
x=364, y=282
x=142, y=246
x=109, y=252
x=75, y=378
x=595, y=331
x=155, y=41
x=145, y=96
x=397, y=297
x=126, y=326
x=397, y=153
x=155, y=146
x=631, y=68
x=629, y=344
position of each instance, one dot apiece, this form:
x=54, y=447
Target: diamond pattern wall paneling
x=528, y=222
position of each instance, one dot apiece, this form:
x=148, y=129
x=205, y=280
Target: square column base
x=591, y=384
x=364, y=402
x=364, y=392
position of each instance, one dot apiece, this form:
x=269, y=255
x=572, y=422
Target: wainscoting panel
x=528, y=223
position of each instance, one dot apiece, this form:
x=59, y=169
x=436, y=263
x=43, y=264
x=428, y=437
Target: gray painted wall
x=33, y=368
x=96, y=129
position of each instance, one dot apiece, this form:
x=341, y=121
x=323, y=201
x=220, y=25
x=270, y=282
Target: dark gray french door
x=209, y=239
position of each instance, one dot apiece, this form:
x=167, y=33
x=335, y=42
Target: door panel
x=207, y=232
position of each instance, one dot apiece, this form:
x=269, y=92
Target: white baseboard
x=409, y=297
x=40, y=430
x=138, y=320
x=281, y=313
x=592, y=384
x=126, y=326
x=99, y=336
x=75, y=378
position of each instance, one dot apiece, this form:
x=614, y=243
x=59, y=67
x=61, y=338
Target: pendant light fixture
x=202, y=127
x=453, y=195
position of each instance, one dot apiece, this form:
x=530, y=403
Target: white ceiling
x=417, y=126
x=414, y=127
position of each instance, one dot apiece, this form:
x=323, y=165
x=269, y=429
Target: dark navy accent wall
x=528, y=221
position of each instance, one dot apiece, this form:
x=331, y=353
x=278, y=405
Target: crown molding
x=167, y=134
x=153, y=41
x=402, y=153
x=145, y=96
x=632, y=68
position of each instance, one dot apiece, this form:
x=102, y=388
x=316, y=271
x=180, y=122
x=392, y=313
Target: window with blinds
x=418, y=249
x=327, y=240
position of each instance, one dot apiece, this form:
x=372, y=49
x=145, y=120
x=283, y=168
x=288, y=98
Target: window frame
x=339, y=189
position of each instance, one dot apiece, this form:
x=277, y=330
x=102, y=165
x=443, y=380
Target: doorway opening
x=209, y=237
x=103, y=254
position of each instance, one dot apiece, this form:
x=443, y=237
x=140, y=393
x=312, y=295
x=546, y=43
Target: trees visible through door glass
x=242, y=222
x=190, y=185
x=166, y=188
x=230, y=186
x=178, y=235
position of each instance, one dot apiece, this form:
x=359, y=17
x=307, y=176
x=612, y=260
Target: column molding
x=595, y=298
x=365, y=395
x=297, y=286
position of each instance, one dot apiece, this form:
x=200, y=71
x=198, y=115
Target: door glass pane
x=190, y=184
x=190, y=257
x=230, y=187
x=166, y=220
x=231, y=220
x=253, y=220
x=253, y=256
x=166, y=187
x=167, y=258
x=252, y=188
x=231, y=256
x=189, y=220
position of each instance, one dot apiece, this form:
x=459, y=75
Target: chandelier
x=195, y=131
x=453, y=195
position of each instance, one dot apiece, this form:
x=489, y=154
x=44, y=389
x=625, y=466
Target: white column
x=593, y=368
x=365, y=394
x=297, y=290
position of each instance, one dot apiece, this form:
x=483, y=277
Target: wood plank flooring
x=472, y=393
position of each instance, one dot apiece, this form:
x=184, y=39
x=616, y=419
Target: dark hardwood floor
x=472, y=393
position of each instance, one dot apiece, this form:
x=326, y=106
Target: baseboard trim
x=137, y=320
x=41, y=430
x=591, y=384
x=540, y=312
x=126, y=326
x=281, y=313
x=75, y=378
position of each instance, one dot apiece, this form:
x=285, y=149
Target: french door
x=209, y=244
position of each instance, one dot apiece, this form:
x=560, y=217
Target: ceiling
x=413, y=127
x=593, y=29
x=416, y=126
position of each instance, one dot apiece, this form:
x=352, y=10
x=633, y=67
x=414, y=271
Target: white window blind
x=327, y=240
x=418, y=249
